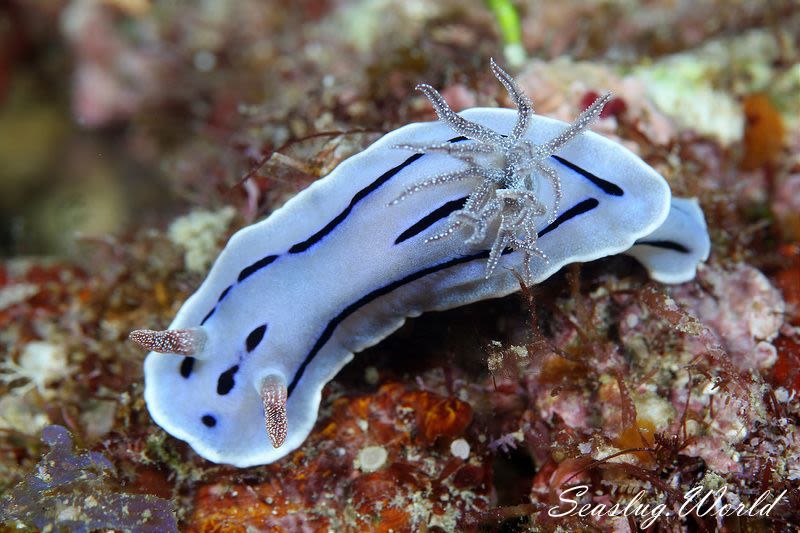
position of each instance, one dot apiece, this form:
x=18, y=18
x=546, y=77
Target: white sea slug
x=431, y=216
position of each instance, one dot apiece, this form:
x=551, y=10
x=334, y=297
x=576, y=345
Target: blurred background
x=116, y=114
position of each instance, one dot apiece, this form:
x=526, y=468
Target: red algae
x=411, y=488
x=786, y=371
x=764, y=133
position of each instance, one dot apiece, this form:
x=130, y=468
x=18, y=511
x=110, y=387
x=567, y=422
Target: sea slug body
x=430, y=217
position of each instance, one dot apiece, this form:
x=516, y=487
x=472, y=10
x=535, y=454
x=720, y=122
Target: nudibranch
x=431, y=216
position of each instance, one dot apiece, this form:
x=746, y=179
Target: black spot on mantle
x=226, y=382
x=254, y=338
x=186, y=366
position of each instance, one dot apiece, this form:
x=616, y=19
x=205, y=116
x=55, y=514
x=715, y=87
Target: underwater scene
x=399, y=265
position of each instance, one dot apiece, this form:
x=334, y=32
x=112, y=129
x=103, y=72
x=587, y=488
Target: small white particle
x=782, y=395
x=371, y=458
x=41, y=363
x=412, y=456
x=371, y=375
x=14, y=294
x=460, y=448
x=515, y=54
x=199, y=233
x=205, y=61
x=710, y=388
x=67, y=514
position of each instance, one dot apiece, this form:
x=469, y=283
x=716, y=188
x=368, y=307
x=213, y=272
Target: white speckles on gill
x=509, y=168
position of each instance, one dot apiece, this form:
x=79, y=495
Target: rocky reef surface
x=137, y=135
